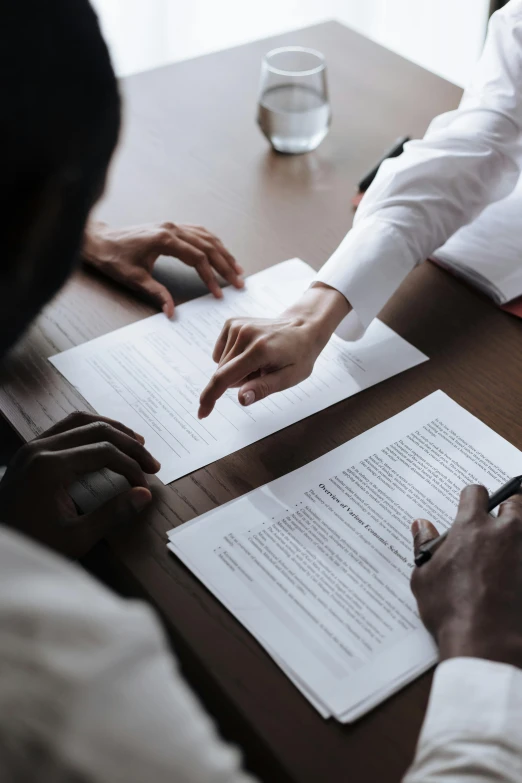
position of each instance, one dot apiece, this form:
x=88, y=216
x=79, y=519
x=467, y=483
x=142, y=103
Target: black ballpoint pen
x=508, y=490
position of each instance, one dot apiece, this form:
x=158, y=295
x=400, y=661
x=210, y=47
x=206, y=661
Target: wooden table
x=192, y=153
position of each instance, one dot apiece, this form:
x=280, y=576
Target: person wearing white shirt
x=467, y=160
x=89, y=690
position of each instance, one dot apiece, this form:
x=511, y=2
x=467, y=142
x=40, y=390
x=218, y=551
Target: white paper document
x=317, y=564
x=150, y=374
x=487, y=252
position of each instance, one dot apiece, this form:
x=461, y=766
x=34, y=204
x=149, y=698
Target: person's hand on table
x=262, y=356
x=128, y=256
x=470, y=593
x=33, y=491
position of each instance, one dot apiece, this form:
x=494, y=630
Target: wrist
x=500, y=645
x=96, y=248
x=320, y=310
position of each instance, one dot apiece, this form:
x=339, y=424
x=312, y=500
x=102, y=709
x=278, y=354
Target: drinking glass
x=293, y=110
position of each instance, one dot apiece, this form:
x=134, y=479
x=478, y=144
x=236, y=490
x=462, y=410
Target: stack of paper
x=317, y=564
x=150, y=374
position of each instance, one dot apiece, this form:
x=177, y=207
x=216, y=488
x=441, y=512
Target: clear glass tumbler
x=294, y=111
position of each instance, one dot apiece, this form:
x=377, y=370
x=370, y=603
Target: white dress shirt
x=90, y=692
x=467, y=160
x=472, y=732
x=88, y=688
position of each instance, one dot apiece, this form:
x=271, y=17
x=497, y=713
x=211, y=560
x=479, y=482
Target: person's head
x=58, y=128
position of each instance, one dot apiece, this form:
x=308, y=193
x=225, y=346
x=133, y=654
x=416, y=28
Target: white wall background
x=445, y=36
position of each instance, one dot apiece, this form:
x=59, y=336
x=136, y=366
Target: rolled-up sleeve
x=472, y=732
x=466, y=161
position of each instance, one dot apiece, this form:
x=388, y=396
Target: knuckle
x=102, y=429
x=262, y=390
x=216, y=380
x=514, y=504
x=29, y=448
x=511, y=518
x=234, y=323
x=168, y=227
x=164, y=237
x=262, y=343
x=27, y=451
x=79, y=418
x=246, y=330
x=107, y=447
x=39, y=458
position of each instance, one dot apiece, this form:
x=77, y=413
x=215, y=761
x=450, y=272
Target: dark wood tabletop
x=191, y=152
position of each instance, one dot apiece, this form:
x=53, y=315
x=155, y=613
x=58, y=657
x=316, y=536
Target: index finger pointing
x=221, y=343
x=226, y=376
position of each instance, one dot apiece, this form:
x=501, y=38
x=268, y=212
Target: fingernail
x=156, y=464
x=249, y=397
x=139, y=438
x=166, y=310
x=415, y=528
x=140, y=498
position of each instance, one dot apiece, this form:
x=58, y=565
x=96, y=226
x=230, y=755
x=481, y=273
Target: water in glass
x=293, y=110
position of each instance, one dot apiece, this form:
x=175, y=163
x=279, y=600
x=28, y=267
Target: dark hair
x=60, y=104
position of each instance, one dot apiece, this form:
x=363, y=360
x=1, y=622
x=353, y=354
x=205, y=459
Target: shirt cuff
x=367, y=268
x=472, y=727
x=474, y=695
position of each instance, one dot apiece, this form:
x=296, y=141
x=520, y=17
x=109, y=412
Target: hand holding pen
x=469, y=593
x=426, y=552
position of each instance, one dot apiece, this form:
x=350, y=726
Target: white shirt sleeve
x=472, y=731
x=466, y=161
x=88, y=687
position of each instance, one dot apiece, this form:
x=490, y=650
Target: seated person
x=88, y=688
